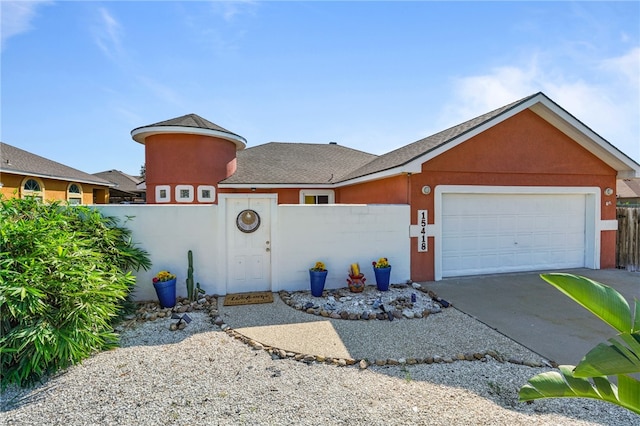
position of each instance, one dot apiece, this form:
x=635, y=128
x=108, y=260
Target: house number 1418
x=422, y=236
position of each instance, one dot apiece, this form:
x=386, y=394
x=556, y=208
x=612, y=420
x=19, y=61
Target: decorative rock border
x=151, y=311
x=400, y=308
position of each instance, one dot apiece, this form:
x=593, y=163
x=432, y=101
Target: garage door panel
x=490, y=233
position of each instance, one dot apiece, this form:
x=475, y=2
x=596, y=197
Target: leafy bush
x=64, y=275
x=619, y=358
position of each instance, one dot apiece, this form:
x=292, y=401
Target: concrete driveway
x=532, y=312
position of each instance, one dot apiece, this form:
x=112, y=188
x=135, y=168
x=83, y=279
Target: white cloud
x=229, y=10
x=108, y=34
x=604, y=97
x=626, y=66
x=16, y=18
x=475, y=95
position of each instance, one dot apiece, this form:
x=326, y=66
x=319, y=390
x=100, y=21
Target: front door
x=248, y=245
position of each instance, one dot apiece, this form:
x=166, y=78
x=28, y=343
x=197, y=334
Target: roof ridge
x=314, y=144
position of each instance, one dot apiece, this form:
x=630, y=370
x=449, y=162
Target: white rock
x=407, y=313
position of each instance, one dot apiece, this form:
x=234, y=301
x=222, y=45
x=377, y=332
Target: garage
x=501, y=231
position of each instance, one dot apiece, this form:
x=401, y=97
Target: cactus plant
x=192, y=292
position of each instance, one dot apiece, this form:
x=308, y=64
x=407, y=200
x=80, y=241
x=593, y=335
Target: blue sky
x=77, y=77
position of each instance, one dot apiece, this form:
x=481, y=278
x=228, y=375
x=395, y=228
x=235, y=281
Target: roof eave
x=274, y=185
x=63, y=178
x=141, y=133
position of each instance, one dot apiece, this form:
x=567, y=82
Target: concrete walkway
x=445, y=334
x=535, y=314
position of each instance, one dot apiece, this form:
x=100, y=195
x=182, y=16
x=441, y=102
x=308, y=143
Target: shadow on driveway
x=532, y=312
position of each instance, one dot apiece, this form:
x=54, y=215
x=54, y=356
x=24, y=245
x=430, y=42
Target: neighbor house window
x=317, y=197
x=32, y=187
x=163, y=194
x=184, y=193
x=74, y=194
x=206, y=193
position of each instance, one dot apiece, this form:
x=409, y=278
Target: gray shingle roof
x=123, y=182
x=189, y=120
x=407, y=153
x=628, y=188
x=18, y=161
x=296, y=163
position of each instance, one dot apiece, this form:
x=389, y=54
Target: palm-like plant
x=619, y=358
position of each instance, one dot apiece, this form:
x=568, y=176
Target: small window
x=206, y=193
x=74, y=194
x=184, y=193
x=32, y=185
x=163, y=194
x=317, y=197
x=32, y=188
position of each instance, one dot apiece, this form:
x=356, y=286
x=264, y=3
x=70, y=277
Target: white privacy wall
x=168, y=233
x=339, y=235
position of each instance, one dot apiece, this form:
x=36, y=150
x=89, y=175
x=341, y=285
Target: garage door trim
x=592, y=219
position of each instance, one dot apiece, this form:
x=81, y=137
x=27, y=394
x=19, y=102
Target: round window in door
x=248, y=221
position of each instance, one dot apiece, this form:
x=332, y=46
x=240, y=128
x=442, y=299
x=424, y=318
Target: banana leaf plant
x=620, y=357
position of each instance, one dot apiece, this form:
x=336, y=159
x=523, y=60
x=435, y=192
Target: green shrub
x=619, y=358
x=64, y=275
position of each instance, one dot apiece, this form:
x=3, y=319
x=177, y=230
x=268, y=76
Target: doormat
x=248, y=298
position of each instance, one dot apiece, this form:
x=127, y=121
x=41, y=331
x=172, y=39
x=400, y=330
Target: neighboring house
x=125, y=189
x=628, y=192
x=524, y=187
x=25, y=174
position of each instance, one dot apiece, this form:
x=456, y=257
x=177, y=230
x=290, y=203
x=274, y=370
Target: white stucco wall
x=338, y=235
x=168, y=233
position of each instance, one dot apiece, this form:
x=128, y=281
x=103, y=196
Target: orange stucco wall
x=393, y=190
x=522, y=151
x=177, y=159
x=54, y=190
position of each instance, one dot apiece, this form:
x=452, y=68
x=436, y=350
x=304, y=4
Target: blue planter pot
x=317, y=282
x=382, y=278
x=166, y=291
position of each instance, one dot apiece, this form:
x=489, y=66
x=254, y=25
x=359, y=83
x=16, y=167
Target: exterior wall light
x=426, y=190
x=608, y=191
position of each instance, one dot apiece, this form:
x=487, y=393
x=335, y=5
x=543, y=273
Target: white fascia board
x=587, y=138
x=400, y=170
x=140, y=134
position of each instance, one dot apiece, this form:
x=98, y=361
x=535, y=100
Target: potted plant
x=317, y=276
x=382, y=270
x=356, y=279
x=165, y=284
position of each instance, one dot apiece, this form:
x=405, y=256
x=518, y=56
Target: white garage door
x=492, y=233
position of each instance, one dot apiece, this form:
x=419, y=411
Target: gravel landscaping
x=201, y=375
